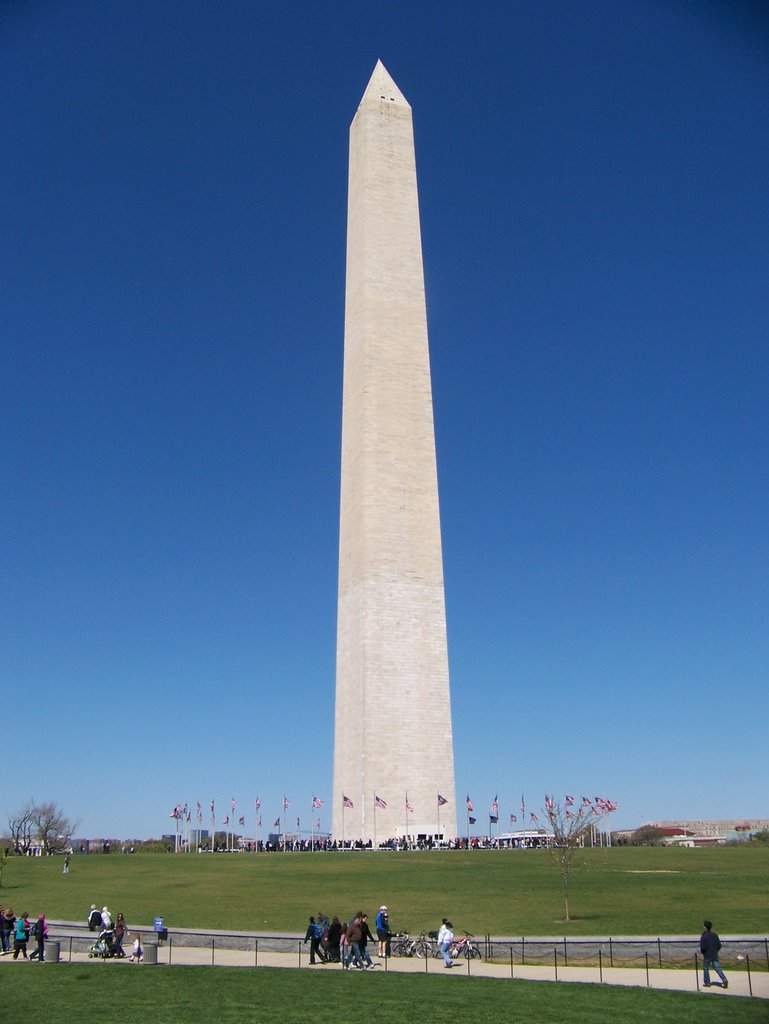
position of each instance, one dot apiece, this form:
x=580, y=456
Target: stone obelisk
x=393, y=736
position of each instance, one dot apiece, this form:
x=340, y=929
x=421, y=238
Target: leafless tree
x=21, y=828
x=53, y=830
x=569, y=828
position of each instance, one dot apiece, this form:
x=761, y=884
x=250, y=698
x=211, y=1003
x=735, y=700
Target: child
x=137, y=953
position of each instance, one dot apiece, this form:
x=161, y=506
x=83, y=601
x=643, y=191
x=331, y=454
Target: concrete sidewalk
x=682, y=980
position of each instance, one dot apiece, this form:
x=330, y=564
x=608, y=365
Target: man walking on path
x=710, y=944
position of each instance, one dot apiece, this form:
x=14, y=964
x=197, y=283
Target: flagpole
x=342, y=822
x=375, y=821
x=312, y=829
x=439, y=816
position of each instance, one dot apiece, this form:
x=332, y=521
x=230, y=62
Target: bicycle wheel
x=401, y=949
x=472, y=952
x=423, y=949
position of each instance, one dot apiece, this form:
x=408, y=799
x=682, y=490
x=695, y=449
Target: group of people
x=19, y=930
x=348, y=943
x=112, y=935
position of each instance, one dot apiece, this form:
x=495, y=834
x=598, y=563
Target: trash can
x=150, y=952
x=52, y=951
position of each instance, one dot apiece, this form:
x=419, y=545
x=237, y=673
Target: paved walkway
x=175, y=954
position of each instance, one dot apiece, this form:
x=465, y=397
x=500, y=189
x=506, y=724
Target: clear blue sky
x=594, y=186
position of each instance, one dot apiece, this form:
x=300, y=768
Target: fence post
x=299, y=944
x=170, y=948
x=659, y=951
x=426, y=959
x=511, y=960
x=70, y=949
x=555, y=962
x=256, y=952
x=600, y=965
x=697, y=971
x=747, y=964
x=611, y=953
x=646, y=955
x=523, y=950
x=766, y=950
x=565, y=953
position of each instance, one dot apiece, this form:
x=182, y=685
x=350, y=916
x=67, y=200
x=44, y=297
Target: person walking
x=40, y=933
x=710, y=944
x=65, y=868
x=445, y=938
x=20, y=937
x=94, y=919
x=365, y=936
x=8, y=922
x=313, y=936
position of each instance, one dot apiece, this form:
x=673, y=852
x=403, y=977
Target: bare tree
x=53, y=830
x=21, y=828
x=570, y=829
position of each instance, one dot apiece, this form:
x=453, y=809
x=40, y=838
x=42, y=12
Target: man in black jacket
x=710, y=944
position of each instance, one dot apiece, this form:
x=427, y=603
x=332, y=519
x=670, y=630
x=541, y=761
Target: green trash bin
x=52, y=951
x=150, y=952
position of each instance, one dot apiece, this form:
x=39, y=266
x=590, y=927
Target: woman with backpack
x=20, y=937
x=39, y=932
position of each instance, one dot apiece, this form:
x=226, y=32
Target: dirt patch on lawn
x=652, y=871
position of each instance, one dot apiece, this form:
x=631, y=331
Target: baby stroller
x=105, y=946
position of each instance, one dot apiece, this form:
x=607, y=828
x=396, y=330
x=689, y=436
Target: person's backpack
x=38, y=929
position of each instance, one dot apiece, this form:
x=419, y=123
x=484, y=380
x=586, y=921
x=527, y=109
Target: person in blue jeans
x=710, y=944
x=445, y=938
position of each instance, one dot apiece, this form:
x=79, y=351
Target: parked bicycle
x=403, y=944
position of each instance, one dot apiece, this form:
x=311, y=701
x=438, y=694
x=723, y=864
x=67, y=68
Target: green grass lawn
x=90, y=994
x=621, y=891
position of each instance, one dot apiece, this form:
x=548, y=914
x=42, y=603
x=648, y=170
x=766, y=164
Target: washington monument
x=393, y=749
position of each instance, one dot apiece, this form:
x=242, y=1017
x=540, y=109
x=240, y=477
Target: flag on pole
x=569, y=801
x=200, y=813
x=442, y=800
x=316, y=803
x=513, y=818
x=585, y=802
x=257, y=803
x=346, y=801
x=233, y=805
x=471, y=820
x=534, y=817
x=285, y=803
x=469, y=803
x=379, y=802
x=409, y=807
x=297, y=825
x=523, y=805
x=493, y=818
x=226, y=820
x=212, y=807
x=495, y=805
x=276, y=823
x=259, y=821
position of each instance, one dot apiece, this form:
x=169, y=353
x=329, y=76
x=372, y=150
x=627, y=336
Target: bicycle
x=408, y=946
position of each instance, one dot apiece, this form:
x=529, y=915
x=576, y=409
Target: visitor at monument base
x=710, y=945
x=334, y=937
x=94, y=919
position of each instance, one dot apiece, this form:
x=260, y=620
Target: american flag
x=549, y=803
x=442, y=800
x=379, y=802
x=513, y=818
x=233, y=805
x=257, y=803
x=200, y=813
x=523, y=805
x=495, y=805
x=409, y=807
x=346, y=801
x=175, y=813
x=569, y=814
x=241, y=820
x=533, y=816
x=259, y=821
x=585, y=802
x=285, y=803
x=469, y=803
x=276, y=823
x=316, y=802
x=212, y=807
x=569, y=801
x=226, y=820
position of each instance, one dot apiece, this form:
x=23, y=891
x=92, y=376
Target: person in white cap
x=383, y=932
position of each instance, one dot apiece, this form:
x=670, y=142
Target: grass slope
x=198, y=995
x=614, y=892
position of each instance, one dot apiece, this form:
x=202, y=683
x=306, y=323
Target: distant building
x=697, y=832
